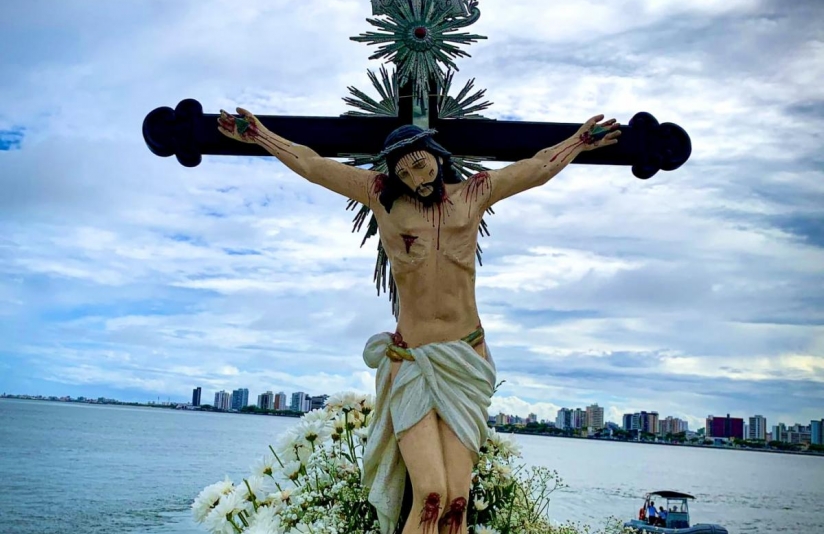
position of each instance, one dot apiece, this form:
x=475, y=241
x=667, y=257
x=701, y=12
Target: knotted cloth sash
x=450, y=378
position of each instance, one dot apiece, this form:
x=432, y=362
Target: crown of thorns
x=404, y=137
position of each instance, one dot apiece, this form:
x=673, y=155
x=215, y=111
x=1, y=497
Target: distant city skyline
x=187, y=399
x=587, y=421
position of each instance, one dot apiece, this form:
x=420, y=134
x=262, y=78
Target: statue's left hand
x=244, y=128
x=595, y=135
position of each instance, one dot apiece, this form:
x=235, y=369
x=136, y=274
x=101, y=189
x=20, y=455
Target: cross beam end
x=661, y=147
x=171, y=132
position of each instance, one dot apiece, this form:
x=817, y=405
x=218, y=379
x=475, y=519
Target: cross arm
x=188, y=133
x=644, y=144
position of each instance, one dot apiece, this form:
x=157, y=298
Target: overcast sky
x=700, y=291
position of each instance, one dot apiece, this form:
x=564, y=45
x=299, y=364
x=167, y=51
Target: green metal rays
x=419, y=37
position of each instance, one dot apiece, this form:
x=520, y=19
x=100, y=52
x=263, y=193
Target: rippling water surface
x=72, y=468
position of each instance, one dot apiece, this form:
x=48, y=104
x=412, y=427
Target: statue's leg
x=459, y=462
x=423, y=455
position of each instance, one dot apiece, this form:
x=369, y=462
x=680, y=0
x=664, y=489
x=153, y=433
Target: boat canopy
x=672, y=495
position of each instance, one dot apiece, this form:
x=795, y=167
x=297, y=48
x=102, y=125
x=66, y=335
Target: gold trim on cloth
x=399, y=354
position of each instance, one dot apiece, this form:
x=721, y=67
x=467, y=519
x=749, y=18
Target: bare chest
x=415, y=236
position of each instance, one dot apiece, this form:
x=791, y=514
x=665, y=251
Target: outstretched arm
x=540, y=168
x=351, y=182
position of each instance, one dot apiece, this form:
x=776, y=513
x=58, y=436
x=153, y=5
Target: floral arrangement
x=310, y=482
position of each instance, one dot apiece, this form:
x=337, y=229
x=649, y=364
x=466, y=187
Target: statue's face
x=419, y=171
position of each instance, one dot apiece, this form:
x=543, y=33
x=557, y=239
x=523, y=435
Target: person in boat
x=652, y=514
x=662, y=516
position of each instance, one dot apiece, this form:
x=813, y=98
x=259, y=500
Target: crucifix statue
x=427, y=194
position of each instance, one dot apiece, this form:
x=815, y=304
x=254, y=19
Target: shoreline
x=175, y=407
x=502, y=430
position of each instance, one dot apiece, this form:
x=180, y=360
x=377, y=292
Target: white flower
x=209, y=498
x=368, y=404
x=263, y=528
x=218, y=520
x=339, y=424
x=357, y=419
x=291, y=470
x=256, y=484
x=504, y=471
x=345, y=401
x=291, y=438
x=481, y=529
x=265, y=466
x=265, y=521
x=315, y=431
x=480, y=504
x=295, y=452
x=505, y=445
x=322, y=416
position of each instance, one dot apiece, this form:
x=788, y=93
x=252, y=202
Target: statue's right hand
x=244, y=128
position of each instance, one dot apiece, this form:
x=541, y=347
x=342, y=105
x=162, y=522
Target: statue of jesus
x=435, y=374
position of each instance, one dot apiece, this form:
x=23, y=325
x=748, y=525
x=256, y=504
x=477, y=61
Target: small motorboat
x=674, y=518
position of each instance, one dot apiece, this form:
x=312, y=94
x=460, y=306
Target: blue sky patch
x=11, y=139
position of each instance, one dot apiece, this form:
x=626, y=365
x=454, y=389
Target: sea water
x=79, y=468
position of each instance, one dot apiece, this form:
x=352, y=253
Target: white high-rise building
x=563, y=420
x=595, y=417
x=757, y=428
x=223, y=400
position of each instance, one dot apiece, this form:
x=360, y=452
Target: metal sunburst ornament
x=419, y=37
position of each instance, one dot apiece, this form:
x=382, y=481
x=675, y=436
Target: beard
x=436, y=186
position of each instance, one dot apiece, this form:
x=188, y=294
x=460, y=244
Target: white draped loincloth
x=449, y=378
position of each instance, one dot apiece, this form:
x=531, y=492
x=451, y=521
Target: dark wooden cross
x=188, y=133
x=418, y=36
